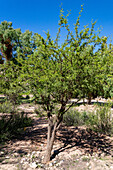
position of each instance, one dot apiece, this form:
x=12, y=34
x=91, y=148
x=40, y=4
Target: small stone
x=55, y=162
x=33, y=152
x=38, y=152
x=87, y=164
x=42, y=157
x=28, y=154
x=111, y=167
x=7, y=157
x=50, y=164
x=15, y=154
x=2, y=152
x=23, y=160
x=94, y=159
x=33, y=165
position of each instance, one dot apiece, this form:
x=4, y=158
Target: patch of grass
x=85, y=159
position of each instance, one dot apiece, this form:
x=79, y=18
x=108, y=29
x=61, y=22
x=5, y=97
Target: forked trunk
x=50, y=139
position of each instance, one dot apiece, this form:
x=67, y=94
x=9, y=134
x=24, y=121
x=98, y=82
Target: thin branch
x=71, y=105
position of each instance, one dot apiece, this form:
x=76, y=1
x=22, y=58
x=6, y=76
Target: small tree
x=56, y=73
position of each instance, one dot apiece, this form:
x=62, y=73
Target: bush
x=7, y=107
x=74, y=118
x=101, y=120
x=13, y=126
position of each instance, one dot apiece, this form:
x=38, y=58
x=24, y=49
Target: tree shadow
x=70, y=137
x=85, y=139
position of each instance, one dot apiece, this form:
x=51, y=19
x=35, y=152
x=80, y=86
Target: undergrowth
x=13, y=126
x=100, y=120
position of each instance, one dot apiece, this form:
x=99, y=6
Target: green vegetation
x=7, y=107
x=100, y=120
x=75, y=118
x=13, y=126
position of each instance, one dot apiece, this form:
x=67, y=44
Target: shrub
x=74, y=118
x=13, y=126
x=101, y=120
x=39, y=112
x=7, y=107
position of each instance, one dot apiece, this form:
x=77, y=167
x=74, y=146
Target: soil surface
x=74, y=148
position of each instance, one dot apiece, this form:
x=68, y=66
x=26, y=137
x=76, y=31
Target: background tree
x=13, y=41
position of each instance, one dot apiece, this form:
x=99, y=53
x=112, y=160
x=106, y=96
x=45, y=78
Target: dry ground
x=75, y=148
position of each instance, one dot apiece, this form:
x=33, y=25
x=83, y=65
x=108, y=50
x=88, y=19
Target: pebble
x=50, y=164
x=33, y=165
x=87, y=163
x=111, y=167
x=2, y=152
x=7, y=157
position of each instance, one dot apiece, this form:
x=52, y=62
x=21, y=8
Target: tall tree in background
x=12, y=40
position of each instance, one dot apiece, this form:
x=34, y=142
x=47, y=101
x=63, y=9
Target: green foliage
x=57, y=72
x=13, y=40
x=7, y=107
x=101, y=119
x=13, y=126
x=39, y=111
x=75, y=118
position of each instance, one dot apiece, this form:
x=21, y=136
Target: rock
x=7, y=157
x=111, y=167
x=51, y=164
x=23, y=160
x=33, y=165
x=2, y=152
x=55, y=162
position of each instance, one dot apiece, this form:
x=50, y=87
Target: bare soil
x=74, y=148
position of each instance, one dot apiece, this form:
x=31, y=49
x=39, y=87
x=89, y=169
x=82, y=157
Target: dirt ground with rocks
x=74, y=148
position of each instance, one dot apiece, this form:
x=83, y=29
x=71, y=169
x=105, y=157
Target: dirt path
x=75, y=148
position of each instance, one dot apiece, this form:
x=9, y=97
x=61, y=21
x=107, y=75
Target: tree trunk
x=89, y=98
x=50, y=139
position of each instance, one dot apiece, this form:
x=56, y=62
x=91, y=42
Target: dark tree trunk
x=89, y=98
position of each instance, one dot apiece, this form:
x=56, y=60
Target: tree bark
x=50, y=139
x=89, y=98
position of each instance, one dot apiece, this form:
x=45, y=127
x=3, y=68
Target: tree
x=55, y=73
x=12, y=42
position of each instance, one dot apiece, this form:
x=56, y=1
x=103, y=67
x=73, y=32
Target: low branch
x=71, y=105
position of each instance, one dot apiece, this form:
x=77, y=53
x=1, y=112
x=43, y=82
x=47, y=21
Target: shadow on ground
x=70, y=137
x=84, y=139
